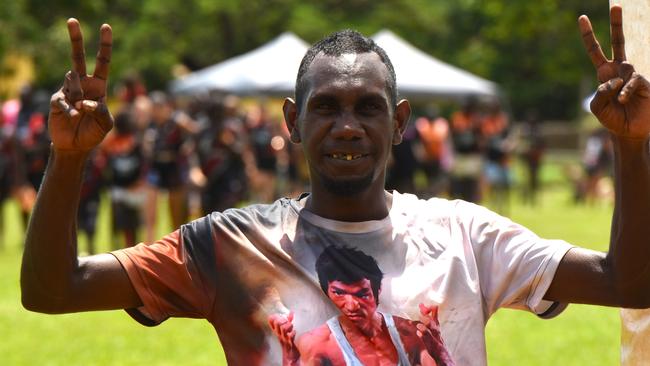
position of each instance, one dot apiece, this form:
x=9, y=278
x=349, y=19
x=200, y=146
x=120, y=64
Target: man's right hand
x=79, y=118
x=282, y=326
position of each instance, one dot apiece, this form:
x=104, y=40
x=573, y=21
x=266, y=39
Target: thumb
x=424, y=310
x=99, y=111
x=605, y=94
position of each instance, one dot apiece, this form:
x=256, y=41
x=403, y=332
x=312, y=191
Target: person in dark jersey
x=166, y=145
x=125, y=170
x=237, y=267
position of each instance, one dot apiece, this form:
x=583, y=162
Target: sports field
x=582, y=335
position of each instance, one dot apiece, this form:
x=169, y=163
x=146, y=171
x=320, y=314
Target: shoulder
x=243, y=217
x=410, y=206
x=316, y=342
x=317, y=335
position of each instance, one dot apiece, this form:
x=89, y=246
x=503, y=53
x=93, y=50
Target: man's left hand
x=622, y=102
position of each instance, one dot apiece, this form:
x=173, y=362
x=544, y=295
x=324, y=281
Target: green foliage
x=532, y=49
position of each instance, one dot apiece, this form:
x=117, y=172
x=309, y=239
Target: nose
x=347, y=127
x=350, y=303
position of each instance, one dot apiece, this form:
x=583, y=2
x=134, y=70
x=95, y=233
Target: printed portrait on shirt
x=359, y=334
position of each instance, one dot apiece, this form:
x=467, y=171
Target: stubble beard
x=347, y=187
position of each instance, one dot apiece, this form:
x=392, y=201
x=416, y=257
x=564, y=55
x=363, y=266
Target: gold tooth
x=348, y=156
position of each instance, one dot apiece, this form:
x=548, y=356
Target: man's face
x=347, y=123
x=356, y=301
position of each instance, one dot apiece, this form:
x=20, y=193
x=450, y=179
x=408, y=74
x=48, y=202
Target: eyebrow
x=362, y=292
x=323, y=97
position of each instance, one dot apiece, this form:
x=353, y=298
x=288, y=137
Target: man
x=346, y=338
x=236, y=268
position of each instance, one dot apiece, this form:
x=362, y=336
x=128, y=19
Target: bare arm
x=53, y=279
x=620, y=277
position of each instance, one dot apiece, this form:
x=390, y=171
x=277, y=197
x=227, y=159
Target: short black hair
x=348, y=265
x=337, y=44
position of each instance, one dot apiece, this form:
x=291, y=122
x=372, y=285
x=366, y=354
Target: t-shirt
x=239, y=267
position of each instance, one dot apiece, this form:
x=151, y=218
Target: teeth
x=346, y=156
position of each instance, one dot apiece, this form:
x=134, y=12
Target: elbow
x=30, y=303
x=33, y=298
x=40, y=304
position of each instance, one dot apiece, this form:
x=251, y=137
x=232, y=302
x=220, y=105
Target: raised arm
x=620, y=277
x=53, y=279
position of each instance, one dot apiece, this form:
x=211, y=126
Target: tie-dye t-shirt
x=440, y=268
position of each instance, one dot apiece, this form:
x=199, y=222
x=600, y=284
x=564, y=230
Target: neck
x=372, y=204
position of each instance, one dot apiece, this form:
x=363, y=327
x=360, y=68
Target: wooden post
x=635, y=324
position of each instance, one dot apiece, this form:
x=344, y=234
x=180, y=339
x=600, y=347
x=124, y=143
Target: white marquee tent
x=421, y=75
x=271, y=70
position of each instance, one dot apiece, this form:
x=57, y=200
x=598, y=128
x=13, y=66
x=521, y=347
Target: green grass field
x=582, y=335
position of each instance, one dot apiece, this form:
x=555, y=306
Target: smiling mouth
x=348, y=157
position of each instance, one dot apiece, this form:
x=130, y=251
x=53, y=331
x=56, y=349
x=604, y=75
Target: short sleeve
x=173, y=275
x=515, y=266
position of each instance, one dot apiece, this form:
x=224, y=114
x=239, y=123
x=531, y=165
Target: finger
x=292, y=335
x=605, y=94
x=286, y=328
x=616, y=29
x=625, y=70
x=421, y=327
x=99, y=111
x=104, y=53
x=59, y=104
x=72, y=87
x=434, y=312
x=55, y=107
x=77, y=43
x=591, y=43
x=630, y=88
x=423, y=309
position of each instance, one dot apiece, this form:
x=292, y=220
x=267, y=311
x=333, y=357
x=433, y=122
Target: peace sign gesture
x=621, y=102
x=79, y=118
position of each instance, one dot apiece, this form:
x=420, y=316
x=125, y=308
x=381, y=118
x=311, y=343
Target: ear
x=401, y=119
x=290, y=111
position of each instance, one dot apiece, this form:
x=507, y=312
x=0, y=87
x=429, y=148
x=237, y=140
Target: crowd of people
x=467, y=156
x=211, y=152
x=205, y=154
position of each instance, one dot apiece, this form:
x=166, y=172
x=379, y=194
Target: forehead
x=349, y=72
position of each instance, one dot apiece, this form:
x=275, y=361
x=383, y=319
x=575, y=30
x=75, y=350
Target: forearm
x=629, y=255
x=50, y=256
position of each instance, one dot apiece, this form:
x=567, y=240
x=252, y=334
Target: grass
x=582, y=335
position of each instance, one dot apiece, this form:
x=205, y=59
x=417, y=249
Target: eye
x=325, y=107
x=370, y=107
x=362, y=294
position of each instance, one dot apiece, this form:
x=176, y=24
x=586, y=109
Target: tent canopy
x=271, y=70
x=420, y=75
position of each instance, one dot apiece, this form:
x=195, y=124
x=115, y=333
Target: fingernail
x=89, y=104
